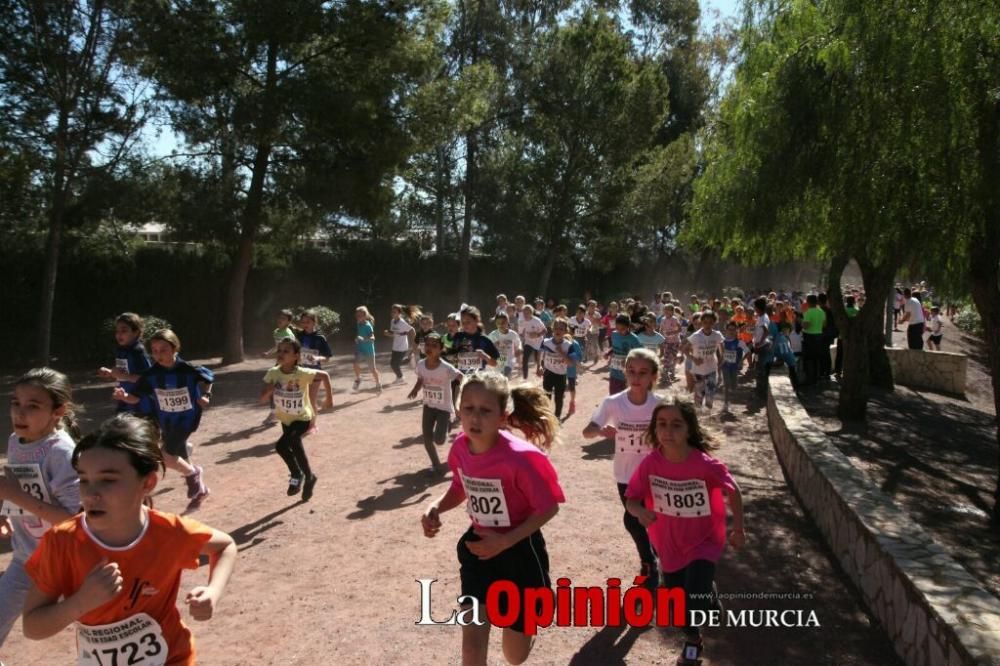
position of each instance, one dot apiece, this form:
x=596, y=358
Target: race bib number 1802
x=486, y=502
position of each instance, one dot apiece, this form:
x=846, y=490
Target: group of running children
x=88, y=548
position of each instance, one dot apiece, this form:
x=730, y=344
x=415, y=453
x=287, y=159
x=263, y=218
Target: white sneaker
x=399, y=380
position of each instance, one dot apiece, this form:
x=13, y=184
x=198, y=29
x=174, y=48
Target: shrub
x=968, y=320
x=327, y=320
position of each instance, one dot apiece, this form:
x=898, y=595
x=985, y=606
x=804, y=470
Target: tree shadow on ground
x=403, y=406
x=403, y=490
x=935, y=456
x=246, y=433
x=249, y=535
x=602, y=449
x=262, y=450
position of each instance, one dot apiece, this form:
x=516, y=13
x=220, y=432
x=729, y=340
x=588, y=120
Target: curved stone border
x=933, y=610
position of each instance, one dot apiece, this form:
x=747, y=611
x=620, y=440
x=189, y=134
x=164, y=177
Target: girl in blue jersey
x=177, y=392
x=471, y=349
x=364, y=347
x=131, y=359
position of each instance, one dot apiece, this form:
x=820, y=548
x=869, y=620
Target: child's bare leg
x=516, y=646
x=476, y=643
x=178, y=464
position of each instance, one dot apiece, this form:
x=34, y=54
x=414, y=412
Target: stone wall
x=944, y=372
x=933, y=610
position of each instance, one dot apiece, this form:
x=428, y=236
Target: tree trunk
x=57, y=208
x=984, y=269
x=470, y=193
x=440, y=192
x=860, y=334
x=232, y=351
x=549, y=266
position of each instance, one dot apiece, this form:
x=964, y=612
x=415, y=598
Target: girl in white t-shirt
x=435, y=377
x=507, y=342
x=402, y=334
x=624, y=418
x=704, y=349
x=532, y=334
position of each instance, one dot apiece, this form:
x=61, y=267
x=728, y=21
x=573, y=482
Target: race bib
x=420, y=348
x=29, y=477
x=629, y=436
x=136, y=640
x=555, y=363
x=289, y=402
x=618, y=362
x=680, y=499
x=121, y=364
x=485, y=503
x=309, y=356
x=433, y=395
x=173, y=400
x=729, y=356
x=469, y=362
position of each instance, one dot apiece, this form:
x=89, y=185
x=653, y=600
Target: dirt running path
x=334, y=581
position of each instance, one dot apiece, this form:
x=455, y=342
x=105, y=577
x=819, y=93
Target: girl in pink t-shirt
x=510, y=490
x=677, y=493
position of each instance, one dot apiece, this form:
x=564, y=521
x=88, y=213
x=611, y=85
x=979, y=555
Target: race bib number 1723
x=136, y=640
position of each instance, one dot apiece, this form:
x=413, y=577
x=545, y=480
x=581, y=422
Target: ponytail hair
x=528, y=409
x=412, y=313
x=57, y=385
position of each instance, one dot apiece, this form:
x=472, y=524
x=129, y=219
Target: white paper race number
x=173, y=400
x=628, y=437
x=486, y=502
x=309, y=356
x=469, y=362
x=137, y=640
x=121, y=364
x=433, y=395
x=729, y=356
x=618, y=362
x=29, y=477
x=681, y=499
x=288, y=402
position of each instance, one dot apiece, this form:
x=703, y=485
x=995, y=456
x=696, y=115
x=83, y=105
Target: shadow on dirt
x=404, y=490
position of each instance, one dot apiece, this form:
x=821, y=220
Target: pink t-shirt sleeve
x=719, y=475
x=456, y=481
x=536, y=479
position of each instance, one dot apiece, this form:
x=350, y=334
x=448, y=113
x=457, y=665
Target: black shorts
x=571, y=384
x=936, y=339
x=175, y=442
x=526, y=564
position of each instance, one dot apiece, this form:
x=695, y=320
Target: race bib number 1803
x=681, y=499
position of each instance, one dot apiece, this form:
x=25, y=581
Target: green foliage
x=968, y=320
x=327, y=321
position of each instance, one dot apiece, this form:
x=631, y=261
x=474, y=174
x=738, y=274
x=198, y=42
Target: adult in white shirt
x=913, y=316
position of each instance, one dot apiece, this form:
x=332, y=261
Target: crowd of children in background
x=488, y=380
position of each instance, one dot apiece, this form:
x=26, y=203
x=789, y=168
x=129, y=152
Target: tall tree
x=301, y=100
x=824, y=149
x=71, y=106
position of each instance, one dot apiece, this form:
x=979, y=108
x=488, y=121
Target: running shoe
x=294, y=485
x=194, y=483
x=357, y=384
x=307, y=487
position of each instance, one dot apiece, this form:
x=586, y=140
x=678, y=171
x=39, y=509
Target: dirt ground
x=935, y=455
x=334, y=581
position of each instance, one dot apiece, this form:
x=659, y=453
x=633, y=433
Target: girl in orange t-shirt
x=117, y=565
